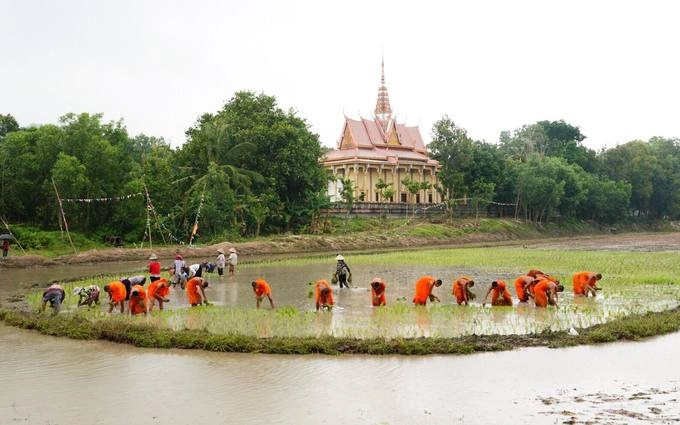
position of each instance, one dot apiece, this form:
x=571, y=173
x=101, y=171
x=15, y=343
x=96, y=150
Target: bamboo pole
x=63, y=216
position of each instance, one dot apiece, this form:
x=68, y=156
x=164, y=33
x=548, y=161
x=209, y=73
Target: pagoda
x=381, y=148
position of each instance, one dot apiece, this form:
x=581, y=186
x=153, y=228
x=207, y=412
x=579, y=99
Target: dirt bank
x=306, y=244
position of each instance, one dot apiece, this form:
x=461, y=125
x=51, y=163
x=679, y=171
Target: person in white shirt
x=232, y=260
x=221, y=262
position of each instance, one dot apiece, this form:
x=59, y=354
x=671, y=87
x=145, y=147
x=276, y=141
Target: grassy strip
x=629, y=328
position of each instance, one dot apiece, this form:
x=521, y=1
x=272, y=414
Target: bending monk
x=323, y=295
x=195, y=291
x=117, y=294
x=138, y=302
x=499, y=294
x=158, y=291
x=424, y=287
x=461, y=290
x=545, y=292
x=378, y=287
x=262, y=288
x=54, y=295
x=586, y=283
x=524, y=287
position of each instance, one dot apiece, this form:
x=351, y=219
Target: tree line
x=252, y=168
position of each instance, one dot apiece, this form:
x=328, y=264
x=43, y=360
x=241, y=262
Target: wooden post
x=63, y=216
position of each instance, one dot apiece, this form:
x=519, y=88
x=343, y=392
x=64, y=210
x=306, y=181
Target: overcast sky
x=610, y=67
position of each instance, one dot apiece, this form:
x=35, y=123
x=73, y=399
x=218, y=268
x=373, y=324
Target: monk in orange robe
x=545, y=292
x=378, y=287
x=138, y=301
x=195, y=291
x=262, y=289
x=158, y=291
x=461, y=290
x=585, y=283
x=323, y=295
x=524, y=287
x=424, y=287
x=117, y=294
x=500, y=296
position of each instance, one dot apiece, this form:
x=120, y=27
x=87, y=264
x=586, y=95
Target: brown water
x=47, y=380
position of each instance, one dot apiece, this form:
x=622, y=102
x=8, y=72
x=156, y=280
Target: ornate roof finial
x=383, y=110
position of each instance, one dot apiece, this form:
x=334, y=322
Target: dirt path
x=308, y=244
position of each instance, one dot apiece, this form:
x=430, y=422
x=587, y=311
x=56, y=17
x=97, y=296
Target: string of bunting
x=105, y=199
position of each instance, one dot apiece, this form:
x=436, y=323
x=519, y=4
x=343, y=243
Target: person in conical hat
x=342, y=272
x=154, y=268
x=232, y=260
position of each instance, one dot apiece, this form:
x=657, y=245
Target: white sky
x=610, y=67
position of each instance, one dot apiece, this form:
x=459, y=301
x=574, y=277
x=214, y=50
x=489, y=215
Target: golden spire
x=383, y=111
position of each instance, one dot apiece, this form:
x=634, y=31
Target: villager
x=323, y=295
x=55, y=295
x=500, y=296
x=154, y=268
x=261, y=289
x=232, y=260
x=179, y=266
x=342, y=272
x=117, y=295
x=87, y=295
x=378, y=297
x=424, y=287
x=138, y=302
x=461, y=290
x=129, y=282
x=585, y=283
x=195, y=291
x=5, y=247
x=158, y=291
x=221, y=262
x=545, y=292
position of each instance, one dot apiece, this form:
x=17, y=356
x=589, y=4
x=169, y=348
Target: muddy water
x=47, y=380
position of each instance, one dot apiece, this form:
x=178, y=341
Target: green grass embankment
x=630, y=328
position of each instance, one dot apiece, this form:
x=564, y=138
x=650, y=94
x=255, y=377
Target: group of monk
x=537, y=285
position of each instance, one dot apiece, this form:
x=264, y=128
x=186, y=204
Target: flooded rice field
x=57, y=381
x=353, y=316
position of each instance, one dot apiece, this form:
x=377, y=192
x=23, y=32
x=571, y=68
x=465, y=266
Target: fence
x=399, y=209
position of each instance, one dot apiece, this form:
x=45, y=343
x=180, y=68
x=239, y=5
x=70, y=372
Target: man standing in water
x=424, y=287
x=461, y=290
x=342, y=271
x=261, y=289
x=585, y=283
x=221, y=262
x=232, y=260
x=55, y=295
x=5, y=247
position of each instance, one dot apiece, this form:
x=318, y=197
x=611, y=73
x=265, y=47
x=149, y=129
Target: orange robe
x=424, y=287
x=262, y=288
x=158, y=288
x=193, y=292
x=535, y=273
x=458, y=289
x=321, y=299
x=541, y=293
x=581, y=280
x=117, y=291
x=519, y=287
x=500, y=294
x=378, y=297
x=137, y=304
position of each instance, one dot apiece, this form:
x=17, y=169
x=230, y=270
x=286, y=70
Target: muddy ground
x=303, y=244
